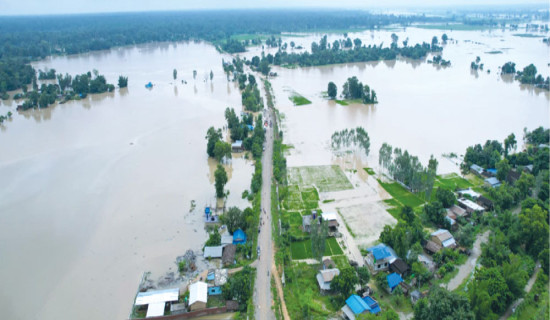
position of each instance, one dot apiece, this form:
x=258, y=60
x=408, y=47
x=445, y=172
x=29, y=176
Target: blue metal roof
x=493, y=171
x=394, y=280
x=356, y=304
x=373, y=305
x=214, y=291
x=381, y=251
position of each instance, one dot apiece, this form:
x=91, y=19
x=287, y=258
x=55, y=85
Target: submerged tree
x=122, y=82
x=220, y=180
x=332, y=90
x=351, y=139
x=175, y=74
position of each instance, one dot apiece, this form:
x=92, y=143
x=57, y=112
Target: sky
x=37, y=7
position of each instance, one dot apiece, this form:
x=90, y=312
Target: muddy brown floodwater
x=95, y=192
x=423, y=108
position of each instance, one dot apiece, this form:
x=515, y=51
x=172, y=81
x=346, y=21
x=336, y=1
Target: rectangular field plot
x=325, y=178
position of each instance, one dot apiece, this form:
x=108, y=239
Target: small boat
x=149, y=85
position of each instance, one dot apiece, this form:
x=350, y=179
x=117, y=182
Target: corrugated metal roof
x=356, y=304
x=373, y=305
x=213, y=252
x=394, y=280
x=157, y=296
x=155, y=309
x=198, y=292
x=329, y=216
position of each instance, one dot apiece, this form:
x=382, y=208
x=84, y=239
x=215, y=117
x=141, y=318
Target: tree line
x=341, y=51
x=527, y=76
x=353, y=89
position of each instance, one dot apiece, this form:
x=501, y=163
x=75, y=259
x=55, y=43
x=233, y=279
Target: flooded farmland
x=94, y=192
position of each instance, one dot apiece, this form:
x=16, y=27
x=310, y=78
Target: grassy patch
x=342, y=102
x=301, y=288
x=328, y=201
x=370, y=171
x=298, y=99
x=452, y=182
x=324, y=178
x=402, y=195
x=302, y=249
x=310, y=194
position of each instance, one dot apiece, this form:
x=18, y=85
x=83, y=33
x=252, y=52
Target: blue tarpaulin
x=394, y=280
x=239, y=237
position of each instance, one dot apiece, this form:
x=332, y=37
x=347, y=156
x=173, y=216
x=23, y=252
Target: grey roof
x=324, y=277
x=157, y=296
x=227, y=239
x=477, y=168
x=213, y=252
x=492, y=181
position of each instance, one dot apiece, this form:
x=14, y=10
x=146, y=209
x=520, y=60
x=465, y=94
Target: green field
x=402, y=195
x=324, y=178
x=298, y=99
x=452, y=182
x=302, y=249
x=348, y=102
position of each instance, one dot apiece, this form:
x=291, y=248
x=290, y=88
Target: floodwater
x=423, y=108
x=95, y=192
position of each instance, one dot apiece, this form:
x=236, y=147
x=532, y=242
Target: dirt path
x=280, y=292
x=527, y=289
x=262, y=286
x=466, y=269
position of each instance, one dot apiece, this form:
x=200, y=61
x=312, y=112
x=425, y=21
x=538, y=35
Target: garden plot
x=366, y=221
x=324, y=178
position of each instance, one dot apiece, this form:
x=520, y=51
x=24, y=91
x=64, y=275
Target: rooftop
x=198, y=292
x=157, y=296
x=382, y=251
x=213, y=252
x=329, y=216
x=394, y=280
x=356, y=304
x=470, y=204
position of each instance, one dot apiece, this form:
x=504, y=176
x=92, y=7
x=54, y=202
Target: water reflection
x=176, y=91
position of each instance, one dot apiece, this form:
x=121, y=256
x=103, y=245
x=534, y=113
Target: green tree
x=234, y=219
x=503, y=168
x=446, y=197
x=435, y=213
x=332, y=90
x=363, y=276
x=214, y=239
x=239, y=287
x=319, y=234
x=443, y=304
x=534, y=230
x=122, y=82
x=510, y=143
x=175, y=74
x=444, y=38
x=220, y=180
x=212, y=136
x=430, y=177
x=194, y=74
x=344, y=283
x=492, y=282
x=222, y=149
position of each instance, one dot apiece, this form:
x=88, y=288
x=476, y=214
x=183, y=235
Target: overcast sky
x=25, y=7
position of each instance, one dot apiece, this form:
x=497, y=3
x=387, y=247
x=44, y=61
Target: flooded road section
x=95, y=192
x=423, y=108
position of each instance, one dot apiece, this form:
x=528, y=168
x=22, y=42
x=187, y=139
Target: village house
x=213, y=252
x=457, y=212
x=486, y=203
x=331, y=219
x=469, y=205
x=477, y=170
x=228, y=254
x=156, y=300
x=432, y=247
x=443, y=238
x=393, y=280
x=198, y=295
x=328, y=264
x=379, y=258
x=492, y=182
x=356, y=305
x=399, y=266
x=474, y=195
x=237, y=146
x=324, y=278
x=307, y=220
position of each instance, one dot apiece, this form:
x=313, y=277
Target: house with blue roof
x=394, y=279
x=379, y=258
x=239, y=237
x=356, y=305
